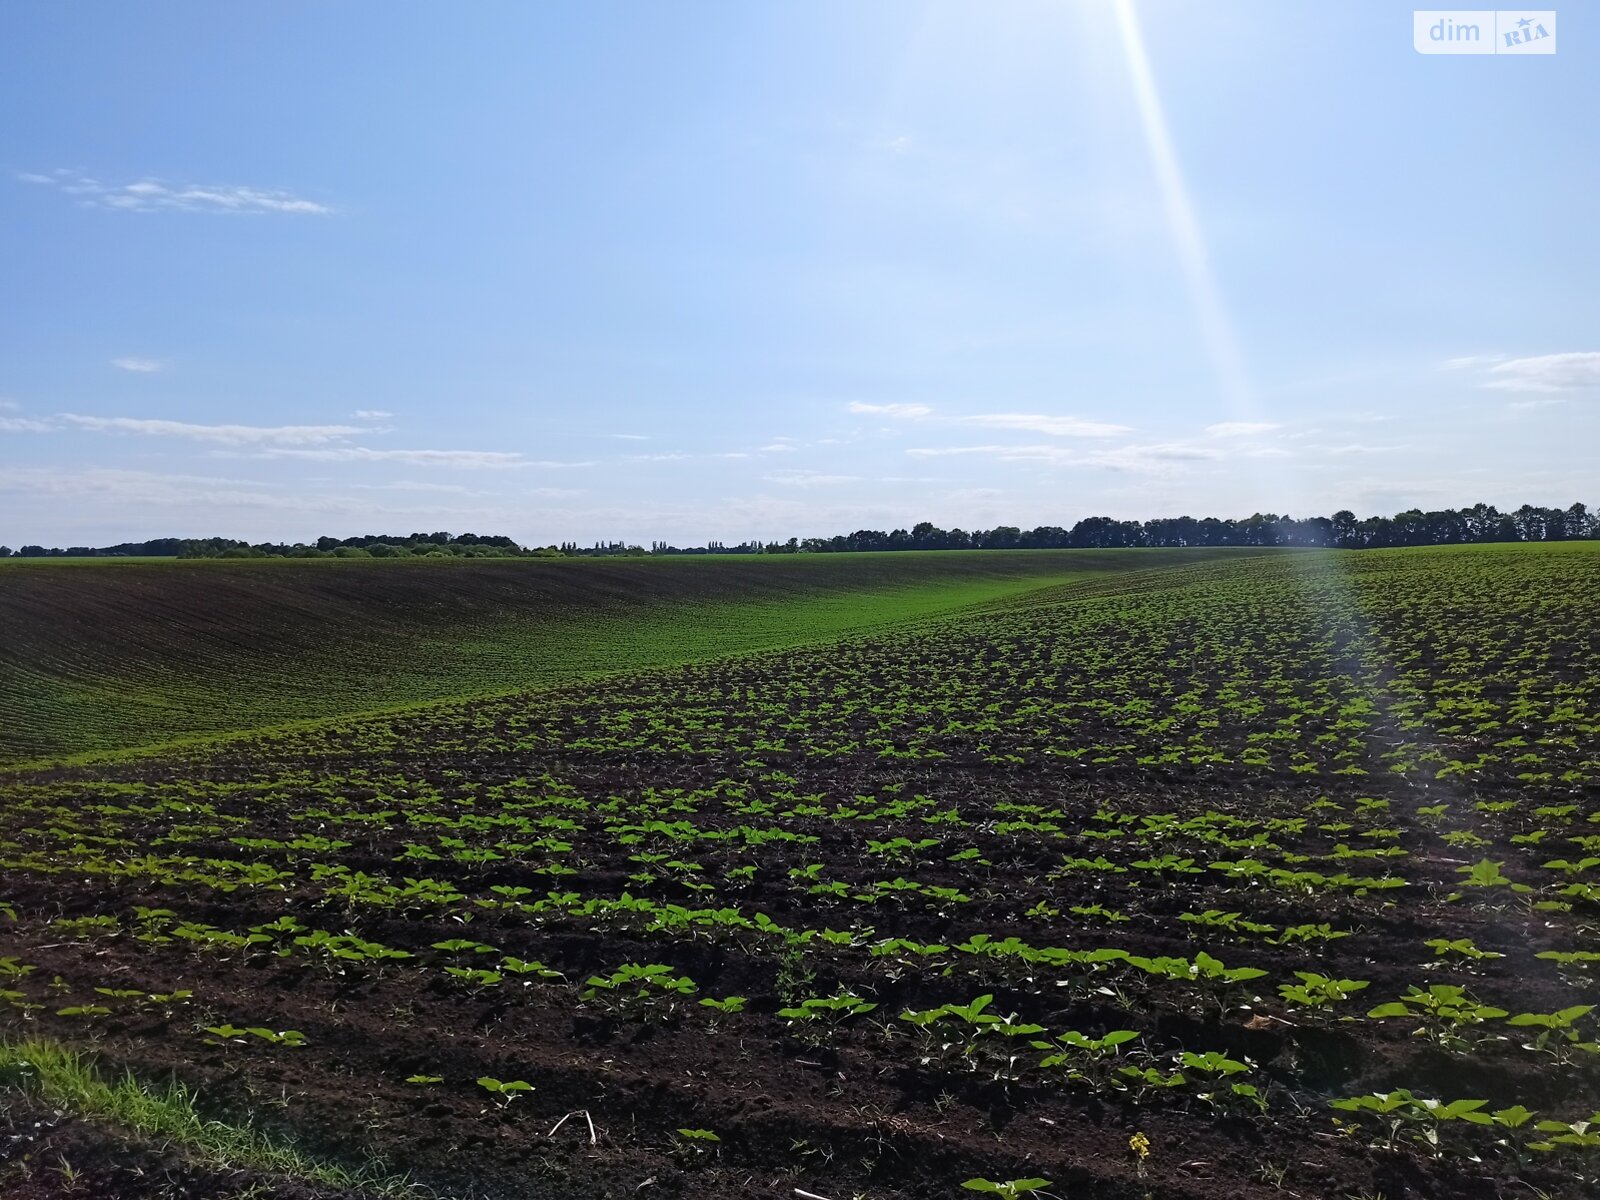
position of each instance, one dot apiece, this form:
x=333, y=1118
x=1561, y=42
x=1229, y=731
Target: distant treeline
x=1344, y=530
x=1446, y=527
x=415, y=545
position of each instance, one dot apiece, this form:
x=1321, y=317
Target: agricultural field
x=1260, y=876
x=103, y=654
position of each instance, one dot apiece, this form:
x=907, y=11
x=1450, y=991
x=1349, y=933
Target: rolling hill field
x=105, y=655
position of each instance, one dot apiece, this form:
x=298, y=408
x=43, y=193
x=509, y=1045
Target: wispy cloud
x=154, y=195
x=903, y=412
x=1468, y=361
x=1360, y=449
x=231, y=435
x=371, y=414
x=110, y=490
x=416, y=485
x=24, y=425
x=808, y=479
x=1547, y=373
x=140, y=366
x=628, y=437
x=1050, y=425
x=1150, y=458
x=1154, y=459
x=464, y=459
x=988, y=451
x=685, y=456
x=1053, y=426
x=1231, y=429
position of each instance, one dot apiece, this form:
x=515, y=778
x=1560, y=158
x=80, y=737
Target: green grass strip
x=67, y=1079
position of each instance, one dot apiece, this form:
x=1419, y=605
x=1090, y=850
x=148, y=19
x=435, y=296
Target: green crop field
x=136, y=653
x=1109, y=877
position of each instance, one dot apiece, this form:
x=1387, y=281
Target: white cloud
x=628, y=437
x=1226, y=429
x=1547, y=373
x=463, y=459
x=994, y=451
x=153, y=195
x=685, y=456
x=231, y=435
x=903, y=412
x=416, y=485
x=1154, y=458
x=1053, y=426
x=1469, y=361
x=808, y=479
x=110, y=495
x=371, y=414
x=141, y=366
x=24, y=425
x=1357, y=448
x=9, y=406
x=777, y=448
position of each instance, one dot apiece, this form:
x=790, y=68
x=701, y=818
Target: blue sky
x=732, y=270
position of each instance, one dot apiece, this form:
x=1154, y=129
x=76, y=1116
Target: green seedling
x=237, y=1034
x=1011, y=1189
x=1319, y=993
x=1574, y=1135
x=504, y=1091
x=1442, y=947
x=463, y=946
x=1422, y=1120
x=1217, y=1070
x=1558, y=1035
x=1081, y=1058
x=816, y=1014
x=1445, y=1011
x=696, y=1143
x=475, y=978
x=638, y=990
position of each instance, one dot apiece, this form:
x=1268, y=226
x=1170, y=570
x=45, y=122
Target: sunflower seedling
x=1319, y=993
x=1081, y=1058
x=504, y=1091
x=1445, y=1011
x=1011, y=1189
x=638, y=990
x=695, y=1143
x=1558, y=1035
